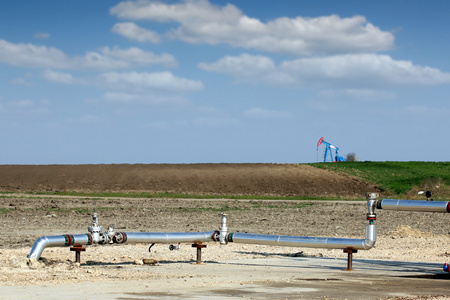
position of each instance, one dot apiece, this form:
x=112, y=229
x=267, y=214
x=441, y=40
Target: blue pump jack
x=328, y=151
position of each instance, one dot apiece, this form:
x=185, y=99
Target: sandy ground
x=402, y=236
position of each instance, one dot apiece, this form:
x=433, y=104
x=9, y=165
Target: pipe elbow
x=38, y=246
x=368, y=244
x=371, y=236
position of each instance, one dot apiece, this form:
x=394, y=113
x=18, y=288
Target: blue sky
x=86, y=82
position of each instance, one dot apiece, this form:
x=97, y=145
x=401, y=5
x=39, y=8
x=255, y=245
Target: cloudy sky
x=203, y=81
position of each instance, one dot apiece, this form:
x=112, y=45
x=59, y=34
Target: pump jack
x=328, y=150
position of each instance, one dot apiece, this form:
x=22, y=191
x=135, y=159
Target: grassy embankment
x=400, y=179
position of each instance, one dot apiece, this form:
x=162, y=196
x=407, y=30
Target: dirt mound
x=220, y=179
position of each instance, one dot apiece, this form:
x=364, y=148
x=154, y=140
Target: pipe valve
x=173, y=247
x=95, y=229
x=371, y=203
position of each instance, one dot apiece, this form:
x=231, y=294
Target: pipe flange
x=119, y=237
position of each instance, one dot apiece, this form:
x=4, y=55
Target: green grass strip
x=396, y=177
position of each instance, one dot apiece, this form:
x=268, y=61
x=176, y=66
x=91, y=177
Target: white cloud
x=426, y=112
x=96, y=61
x=127, y=98
x=19, y=81
x=135, y=33
x=21, y=106
x=352, y=95
x=215, y=122
x=244, y=65
x=363, y=71
x=150, y=81
x=206, y=23
x=266, y=114
x=347, y=99
x=59, y=77
x=41, y=35
x=138, y=56
x=120, y=97
x=32, y=56
x=186, y=11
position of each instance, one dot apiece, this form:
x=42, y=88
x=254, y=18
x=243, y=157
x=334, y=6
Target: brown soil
x=218, y=179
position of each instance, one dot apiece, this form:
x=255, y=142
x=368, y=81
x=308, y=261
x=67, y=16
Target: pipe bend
x=58, y=241
x=44, y=242
x=371, y=236
x=38, y=246
x=368, y=244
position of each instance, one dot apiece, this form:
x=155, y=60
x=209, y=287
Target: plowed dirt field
x=219, y=179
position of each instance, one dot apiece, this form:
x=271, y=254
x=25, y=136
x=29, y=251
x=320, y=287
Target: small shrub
x=351, y=157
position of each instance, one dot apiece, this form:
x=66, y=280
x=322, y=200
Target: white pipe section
x=414, y=205
x=308, y=242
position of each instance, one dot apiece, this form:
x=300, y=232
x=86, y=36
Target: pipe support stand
x=77, y=248
x=199, y=252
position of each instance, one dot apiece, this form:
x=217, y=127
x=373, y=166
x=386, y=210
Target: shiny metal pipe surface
x=308, y=242
x=168, y=237
x=58, y=241
x=414, y=205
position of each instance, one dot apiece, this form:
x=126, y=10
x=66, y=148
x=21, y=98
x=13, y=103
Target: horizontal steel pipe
x=121, y=237
x=307, y=242
x=414, y=205
x=166, y=237
x=58, y=241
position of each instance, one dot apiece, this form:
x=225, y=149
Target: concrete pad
x=275, y=278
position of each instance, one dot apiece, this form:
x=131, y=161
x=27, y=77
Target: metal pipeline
x=120, y=238
x=316, y=242
x=307, y=242
x=414, y=205
x=66, y=240
x=96, y=236
x=164, y=237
